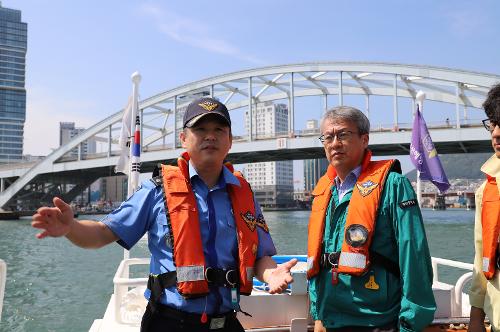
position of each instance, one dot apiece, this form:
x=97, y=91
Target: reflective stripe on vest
x=362, y=210
x=490, y=220
x=186, y=235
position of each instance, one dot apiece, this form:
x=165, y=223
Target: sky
x=81, y=53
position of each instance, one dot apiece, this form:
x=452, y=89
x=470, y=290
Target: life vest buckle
x=221, y=277
x=329, y=260
x=231, y=279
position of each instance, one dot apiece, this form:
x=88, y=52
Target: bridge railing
x=378, y=128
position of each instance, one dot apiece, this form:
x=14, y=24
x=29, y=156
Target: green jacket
x=399, y=236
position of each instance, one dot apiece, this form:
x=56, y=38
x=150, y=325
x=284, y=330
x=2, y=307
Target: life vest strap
x=157, y=284
x=331, y=259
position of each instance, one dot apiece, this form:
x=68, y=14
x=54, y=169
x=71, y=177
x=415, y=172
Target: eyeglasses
x=489, y=125
x=342, y=136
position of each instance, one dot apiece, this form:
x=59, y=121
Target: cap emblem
x=208, y=105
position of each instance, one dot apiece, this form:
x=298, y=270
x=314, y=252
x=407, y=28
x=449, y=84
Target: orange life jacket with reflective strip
x=490, y=220
x=363, y=208
x=185, y=229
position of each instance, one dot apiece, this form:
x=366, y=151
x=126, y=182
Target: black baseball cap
x=204, y=106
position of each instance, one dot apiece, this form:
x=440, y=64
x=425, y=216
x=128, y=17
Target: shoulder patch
x=261, y=222
x=408, y=203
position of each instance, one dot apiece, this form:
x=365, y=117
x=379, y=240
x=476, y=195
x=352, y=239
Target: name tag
x=408, y=203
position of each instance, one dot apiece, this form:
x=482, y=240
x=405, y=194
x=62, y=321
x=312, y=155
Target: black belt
x=220, y=277
x=193, y=318
x=330, y=260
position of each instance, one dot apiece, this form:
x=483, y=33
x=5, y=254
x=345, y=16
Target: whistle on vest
x=372, y=284
x=335, y=275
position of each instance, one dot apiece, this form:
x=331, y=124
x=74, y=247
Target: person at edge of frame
x=484, y=294
x=206, y=232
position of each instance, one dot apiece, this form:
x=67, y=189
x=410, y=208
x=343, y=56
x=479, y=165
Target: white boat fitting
x=3, y=278
x=279, y=312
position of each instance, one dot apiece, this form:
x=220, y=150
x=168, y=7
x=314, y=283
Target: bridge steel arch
x=68, y=170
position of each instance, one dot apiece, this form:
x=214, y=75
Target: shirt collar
x=355, y=172
x=492, y=167
x=227, y=176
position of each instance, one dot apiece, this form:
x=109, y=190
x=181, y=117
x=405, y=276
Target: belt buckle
x=217, y=323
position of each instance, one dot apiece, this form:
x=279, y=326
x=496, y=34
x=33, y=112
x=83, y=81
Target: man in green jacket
x=380, y=279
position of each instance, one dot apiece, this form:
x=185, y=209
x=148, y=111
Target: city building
x=68, y=131
x=113, y=188
x=272, y=182
x=313, y=168
x=13, y=47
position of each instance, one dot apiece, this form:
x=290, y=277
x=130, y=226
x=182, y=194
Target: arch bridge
x=384, y=91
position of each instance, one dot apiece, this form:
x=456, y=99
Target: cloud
x=43, y=114
x=467, y=21
x=193, y=33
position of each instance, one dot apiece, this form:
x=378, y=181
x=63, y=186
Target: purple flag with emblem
x=424, y=156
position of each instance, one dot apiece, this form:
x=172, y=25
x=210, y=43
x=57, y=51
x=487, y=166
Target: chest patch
x=408, y=203
x=366, y=188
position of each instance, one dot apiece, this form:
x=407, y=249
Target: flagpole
x=136, y=79
x=420, y=101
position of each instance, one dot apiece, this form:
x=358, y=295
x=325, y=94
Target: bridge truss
x=69, y=170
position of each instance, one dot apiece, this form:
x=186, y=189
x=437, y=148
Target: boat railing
x=3, y=278
x=451, y=298
x=122, y=283
x=457, y=291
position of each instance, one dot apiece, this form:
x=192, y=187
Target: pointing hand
x=54, y=221
x=281, y=277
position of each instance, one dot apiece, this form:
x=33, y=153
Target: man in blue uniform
x=210, y=297
x=368, y=260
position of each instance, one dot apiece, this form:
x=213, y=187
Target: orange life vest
x=363, y=208
x=185, y=229
x=490, y=220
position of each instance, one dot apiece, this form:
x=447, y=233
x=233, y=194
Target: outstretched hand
x=54, y=221
x=281, y=277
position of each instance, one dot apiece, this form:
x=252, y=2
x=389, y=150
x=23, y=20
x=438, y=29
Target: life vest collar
x=183, y=164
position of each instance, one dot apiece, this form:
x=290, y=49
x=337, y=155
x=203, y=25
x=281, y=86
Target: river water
x=55, y=286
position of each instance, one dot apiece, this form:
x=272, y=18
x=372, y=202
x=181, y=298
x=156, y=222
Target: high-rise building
x=113, y=188
x=68, y=131
x=13, y=47
x=272, y=182
x=313, y=168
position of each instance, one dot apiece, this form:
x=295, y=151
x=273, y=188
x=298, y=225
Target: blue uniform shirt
x=145, y=212
x=349, y=182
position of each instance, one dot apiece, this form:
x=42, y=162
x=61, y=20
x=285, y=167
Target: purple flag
x=424, y=156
